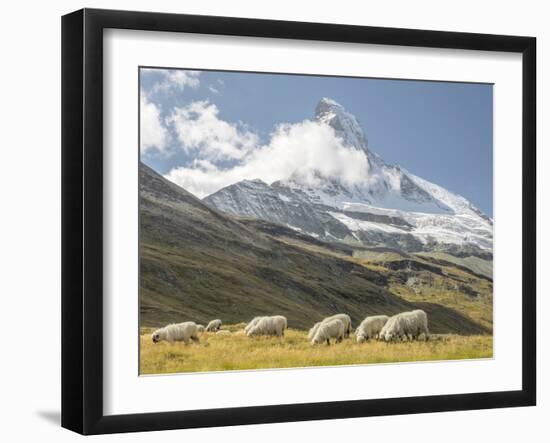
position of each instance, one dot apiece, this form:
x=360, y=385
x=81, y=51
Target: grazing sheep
x=420, y=324
x=274, y=325
x=177, y=332
x=252, y=323
x=344, y=318
x=313, y=330
x=200, y=328
x=214, y=325
x=406, y=325
x=414, y=324
x=223, y=332
x=370, y=327
x=393, y=329
x=331, y=329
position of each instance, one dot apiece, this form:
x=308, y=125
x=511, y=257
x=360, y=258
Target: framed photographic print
x=270, y=221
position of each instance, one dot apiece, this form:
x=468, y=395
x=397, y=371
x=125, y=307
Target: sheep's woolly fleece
x=406, y=325
x=370, y=327
x=177, y=332
x=274, y=325
x=333, y=329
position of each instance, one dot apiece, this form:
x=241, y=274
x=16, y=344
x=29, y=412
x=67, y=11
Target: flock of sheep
x=404, y=326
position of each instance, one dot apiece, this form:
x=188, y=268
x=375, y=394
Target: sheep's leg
x=328, y=342
x=195, y=339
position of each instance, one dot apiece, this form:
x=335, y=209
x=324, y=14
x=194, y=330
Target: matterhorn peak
x=391, y=208
x=345, y=124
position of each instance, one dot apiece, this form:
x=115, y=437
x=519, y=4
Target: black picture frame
x=82, y=218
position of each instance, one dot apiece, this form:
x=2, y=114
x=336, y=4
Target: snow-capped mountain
x=391, y=207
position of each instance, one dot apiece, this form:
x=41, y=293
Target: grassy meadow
x=239, y=352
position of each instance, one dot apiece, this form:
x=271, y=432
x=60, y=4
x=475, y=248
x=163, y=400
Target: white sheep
x=332, y=329
x=313, y=330
x=393, y=329
x=406, y=325
x=214, y=325
x=370, y=327
x=420, y=324
x=413, y=324
x=252, y=323
x=200, y=328
x=177, y=332
x=344, y=318
x=274, y=325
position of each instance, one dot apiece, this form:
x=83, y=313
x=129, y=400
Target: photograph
x=301, y=220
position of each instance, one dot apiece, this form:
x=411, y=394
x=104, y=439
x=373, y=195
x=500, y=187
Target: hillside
x=198, y=263
x=462, y=284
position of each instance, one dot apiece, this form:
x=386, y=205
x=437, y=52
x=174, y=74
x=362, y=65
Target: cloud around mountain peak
x=304, y=150
x=225, y=153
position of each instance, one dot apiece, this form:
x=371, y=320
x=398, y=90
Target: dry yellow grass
x=238, y=352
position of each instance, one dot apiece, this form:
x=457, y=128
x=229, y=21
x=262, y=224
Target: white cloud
x=201, y=132
x=302, y=150
x=153, y=134
x=175, y=79
x=213, y=90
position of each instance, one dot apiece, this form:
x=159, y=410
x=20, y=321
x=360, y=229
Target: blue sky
x=439, y=131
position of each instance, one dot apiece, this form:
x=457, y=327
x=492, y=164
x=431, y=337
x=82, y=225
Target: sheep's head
x=317, y=340
x=155, y=336
x=361, y=338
